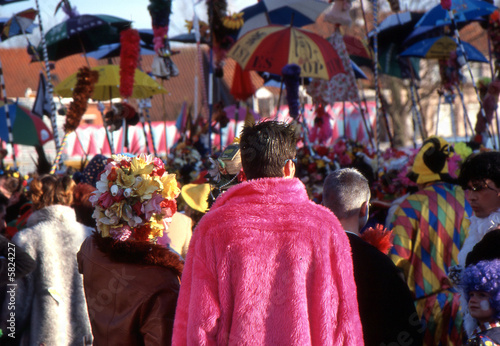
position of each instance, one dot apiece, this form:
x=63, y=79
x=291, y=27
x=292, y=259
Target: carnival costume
x=430, y=227
x=267, y=266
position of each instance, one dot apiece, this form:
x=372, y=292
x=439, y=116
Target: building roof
x=20, y=74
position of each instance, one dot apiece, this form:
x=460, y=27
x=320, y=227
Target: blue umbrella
x=440, y=48
x=463, y=11
x=281, y=12
x=429, y=31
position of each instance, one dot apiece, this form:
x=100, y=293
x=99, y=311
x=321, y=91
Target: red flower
x=112, y=175
x=168, y=207
x=142, y=233
x=321, y=151
x=137, y=207
x=124, y=163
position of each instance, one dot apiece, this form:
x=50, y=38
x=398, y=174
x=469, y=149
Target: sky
x=135, y=10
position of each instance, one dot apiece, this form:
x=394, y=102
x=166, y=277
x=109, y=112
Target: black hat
x=486, y=249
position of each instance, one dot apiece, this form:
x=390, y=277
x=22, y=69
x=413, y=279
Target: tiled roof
x=21, y=74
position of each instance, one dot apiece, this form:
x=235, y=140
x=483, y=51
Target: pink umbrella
x=242, y=112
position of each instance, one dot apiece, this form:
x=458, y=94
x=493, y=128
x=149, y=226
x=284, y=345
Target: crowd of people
x=132, y=250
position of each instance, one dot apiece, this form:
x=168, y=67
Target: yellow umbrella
x=108, y=85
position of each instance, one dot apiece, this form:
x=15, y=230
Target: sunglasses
x=480, y=187
x=293, y=160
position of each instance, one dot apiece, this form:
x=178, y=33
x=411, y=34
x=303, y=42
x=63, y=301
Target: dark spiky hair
x=265, y=147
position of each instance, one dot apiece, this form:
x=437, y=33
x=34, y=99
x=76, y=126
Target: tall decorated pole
x=50, y=87
x=84, y=88
x=376, y=75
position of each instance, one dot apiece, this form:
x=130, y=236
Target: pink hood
x=266, y=266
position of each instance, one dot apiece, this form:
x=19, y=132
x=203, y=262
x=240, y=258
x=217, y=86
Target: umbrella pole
x=50, y=87
x=7, y=116
x=279, y=98
x=59, y=153
x=124, y=135
x=466, y=114
x=490, y=54
x=416, y=112
x=100, y=106
x=437, y=115
x=376, y=79
x=460, y=45
x=449, y=98
x=363, y=117
x=369, y=130
x=210, y=98
x=344, y=119
x=236, y=117
x=141, y=112
x=148, y=119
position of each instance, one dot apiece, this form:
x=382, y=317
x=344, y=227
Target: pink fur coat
x=266, y=266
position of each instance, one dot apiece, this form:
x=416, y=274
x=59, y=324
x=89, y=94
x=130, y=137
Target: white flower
x=94, y=197
x=114, y=190
x=109, y=220
x=128, y=192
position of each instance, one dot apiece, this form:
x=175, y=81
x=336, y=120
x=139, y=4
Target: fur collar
x=477, y=230
x=136, y=252
x=265, y=190
x=54, y=213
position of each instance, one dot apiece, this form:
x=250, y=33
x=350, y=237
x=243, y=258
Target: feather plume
x=379, y=237
x=129, y=58
x=86, y=79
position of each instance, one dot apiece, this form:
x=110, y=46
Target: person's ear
x=363, y=211
x=289, y=169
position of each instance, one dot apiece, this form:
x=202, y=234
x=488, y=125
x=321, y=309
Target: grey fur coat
x=50, y=306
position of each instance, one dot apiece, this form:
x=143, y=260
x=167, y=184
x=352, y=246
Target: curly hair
x=480, y=166
x=265, y=147
x=81, y=204
x=483, y=276
x=48, y=190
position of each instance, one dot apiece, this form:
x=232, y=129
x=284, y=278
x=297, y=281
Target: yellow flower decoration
x=123, y=179
x=156, y=229
x=170, y=188
x=138, y=166
x=146, y=187
x=104, y=229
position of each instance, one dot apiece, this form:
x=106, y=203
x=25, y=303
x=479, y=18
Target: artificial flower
x=121, y=233
x=145, y=188
x=153, y=206
x=123, y=179
x=168, y=207
x=140, y=165
x=170, y=188
x=105, y=200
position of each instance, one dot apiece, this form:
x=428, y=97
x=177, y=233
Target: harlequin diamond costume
x=429, y=228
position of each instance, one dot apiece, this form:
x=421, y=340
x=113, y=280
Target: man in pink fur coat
x=266, y=266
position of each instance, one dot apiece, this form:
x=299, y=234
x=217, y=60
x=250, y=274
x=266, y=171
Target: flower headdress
x=135, y=198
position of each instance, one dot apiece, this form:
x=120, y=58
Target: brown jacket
x=131, y=291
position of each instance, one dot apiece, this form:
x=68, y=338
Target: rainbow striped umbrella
x=270, y=48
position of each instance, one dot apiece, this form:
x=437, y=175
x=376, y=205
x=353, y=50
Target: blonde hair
x=48, y=190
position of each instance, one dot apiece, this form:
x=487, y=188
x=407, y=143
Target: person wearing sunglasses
x=480, y=178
